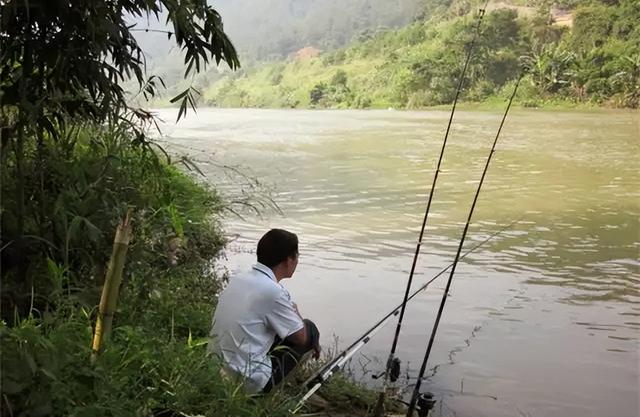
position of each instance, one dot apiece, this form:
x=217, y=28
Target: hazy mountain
x=271, y=29
x=264, y=30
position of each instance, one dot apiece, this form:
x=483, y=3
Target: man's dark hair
x=275, y=246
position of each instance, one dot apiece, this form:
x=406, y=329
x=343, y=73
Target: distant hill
x=270, y=30
x=273, y=29
x=404, y=53
x=577, y=52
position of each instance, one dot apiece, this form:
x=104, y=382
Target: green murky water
x=542, y=321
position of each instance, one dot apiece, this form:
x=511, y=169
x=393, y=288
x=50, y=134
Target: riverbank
x=156, y=356
x=489, y=104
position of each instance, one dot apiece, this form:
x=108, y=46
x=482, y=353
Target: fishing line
x=416, y=390
x=467, y=342
x=314, y=382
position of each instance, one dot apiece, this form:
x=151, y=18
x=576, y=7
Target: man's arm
x=284, y=317
x=299, y=338
x=304, y=340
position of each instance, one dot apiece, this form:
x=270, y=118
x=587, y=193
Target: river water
x=543, y=320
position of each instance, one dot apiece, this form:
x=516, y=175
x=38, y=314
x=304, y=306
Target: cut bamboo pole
x=113, y=278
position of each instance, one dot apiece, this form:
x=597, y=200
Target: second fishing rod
x=416, y=391
x=392, y=361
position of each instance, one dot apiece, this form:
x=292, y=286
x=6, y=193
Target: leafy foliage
x=591, y=62
x=60, y=61
x=61, y=66
x=92, y=177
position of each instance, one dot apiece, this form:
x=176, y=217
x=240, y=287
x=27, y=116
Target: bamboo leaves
x=100, y=52
x=187, y=97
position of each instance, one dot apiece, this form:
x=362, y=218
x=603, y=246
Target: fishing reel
x=425, y=404
x=393, y=367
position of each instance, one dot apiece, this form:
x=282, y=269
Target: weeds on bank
x=156, y=357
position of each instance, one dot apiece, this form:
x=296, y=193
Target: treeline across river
x=585, y=54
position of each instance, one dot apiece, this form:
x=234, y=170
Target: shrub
x=317, y=93
x=92, y=176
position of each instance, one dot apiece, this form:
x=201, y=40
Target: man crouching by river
x=257, y=328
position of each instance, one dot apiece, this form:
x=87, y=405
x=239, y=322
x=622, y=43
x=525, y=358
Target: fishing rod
x=314, y=382
x=392, y=361
x=445, y=294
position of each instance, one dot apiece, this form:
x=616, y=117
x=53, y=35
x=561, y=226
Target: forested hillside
x=271, y=30
x=575, y=51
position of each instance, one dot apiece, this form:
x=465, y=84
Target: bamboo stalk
x=112, y=281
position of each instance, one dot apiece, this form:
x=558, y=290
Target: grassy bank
x=156, y=356
x=593, y=62
x=495, y=103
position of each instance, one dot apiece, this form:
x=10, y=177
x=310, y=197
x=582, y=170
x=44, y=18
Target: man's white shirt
x=251, y=311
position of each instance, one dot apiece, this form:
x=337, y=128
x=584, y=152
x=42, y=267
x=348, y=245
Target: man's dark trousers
x=285, y=356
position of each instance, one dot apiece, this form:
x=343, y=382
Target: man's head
x=278, y=249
